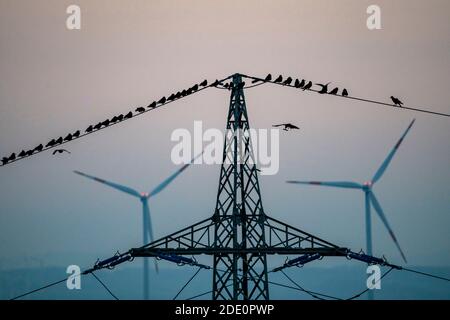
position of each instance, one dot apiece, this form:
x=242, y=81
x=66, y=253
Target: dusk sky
x=127, y=54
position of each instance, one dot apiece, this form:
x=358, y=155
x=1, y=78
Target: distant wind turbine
x=370, y=198
x=146, y=217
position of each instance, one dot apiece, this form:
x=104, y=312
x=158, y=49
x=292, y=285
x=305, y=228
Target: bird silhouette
x=307, y=86
x=226, y=86
x=287, y=126
x=29, y=152
x=324, y=88
x=89, y=129
x=334, y=91
x=12, y=157
x=302, y=84
x=287, y=81
x=76, y=134
x=128, y=115
x=345, y=93
x=60, y=151
x=5, y=160
x=297, y=83
x=50, y=143
x=195, y=87
x=39, y=148
x=105, y=123
x=204, y=83
x=178, y=95
x=98, y=126
x=120, y=117
x=22, y=153
x=113, y=119
x=59, y=140
x=214, y=84
x=189, y=91
x=279, y=79
x=152, y=105
x=68, y=137
x=268, y=77
x=396, y=101
x=171, y=97
x=162, y=100
x=140, y=109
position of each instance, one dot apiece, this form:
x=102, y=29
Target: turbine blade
x=338, y=184
x=111, y=184
x=379, y=210
x=150, y=228
x=166, y=182
x=386, y=162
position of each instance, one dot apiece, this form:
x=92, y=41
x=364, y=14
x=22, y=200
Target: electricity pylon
x=239, y=235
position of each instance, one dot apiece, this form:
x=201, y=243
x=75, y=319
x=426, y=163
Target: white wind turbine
x=369, y=195
x=146, y=217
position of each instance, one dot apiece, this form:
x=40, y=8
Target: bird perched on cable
x=12, y=157
x=89, y=129
x=307, y=86
x=50, y=143
x=162, y=100
x=98, y=126
x=171, y=97
x=22, y=153
x=345, y=93
x=140, y=109
x=5, y=160
x=195, y=87
x=60, y=151
x=279, y=79
x=105, y=123
x=128, y=115
x=297, y=83
x=334, y=91
x=287, y=126
x=120, y=117
x=59, y=140
x=396, y=101
x=268, y=78
x=76, y=134
x=29, y=152
x=153, y=104
x=324, y=88
x=287, y=81
x=204, y=83
x=68, y=137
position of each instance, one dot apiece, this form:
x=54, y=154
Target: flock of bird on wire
x=289, y=81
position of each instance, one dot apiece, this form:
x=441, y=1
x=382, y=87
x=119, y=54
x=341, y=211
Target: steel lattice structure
x=239, y=235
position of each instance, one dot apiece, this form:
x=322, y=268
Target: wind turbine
x=146, y=217
x=369, y=195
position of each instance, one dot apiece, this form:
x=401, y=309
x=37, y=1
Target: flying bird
x=324, y=88
x=60, y=151
x=287, y=81
x=279, y=79
x=204, y=83
x=287, y=126
x=334, y=91
x=345, y=93
x=268, y=77
x=307, y=86
x=89, y=129
x=396, y=101
x=140, y=109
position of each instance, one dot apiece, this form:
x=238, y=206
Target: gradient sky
x=54, y=81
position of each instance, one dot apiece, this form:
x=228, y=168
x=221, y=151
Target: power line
x=426, y=274
x=39, y=289
x=104, y=286
x=355, y=98
x=186, y=284
x=134, y=115
x=362, y=292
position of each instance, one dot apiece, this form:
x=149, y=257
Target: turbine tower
x=369, y=196
x=147, y=228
